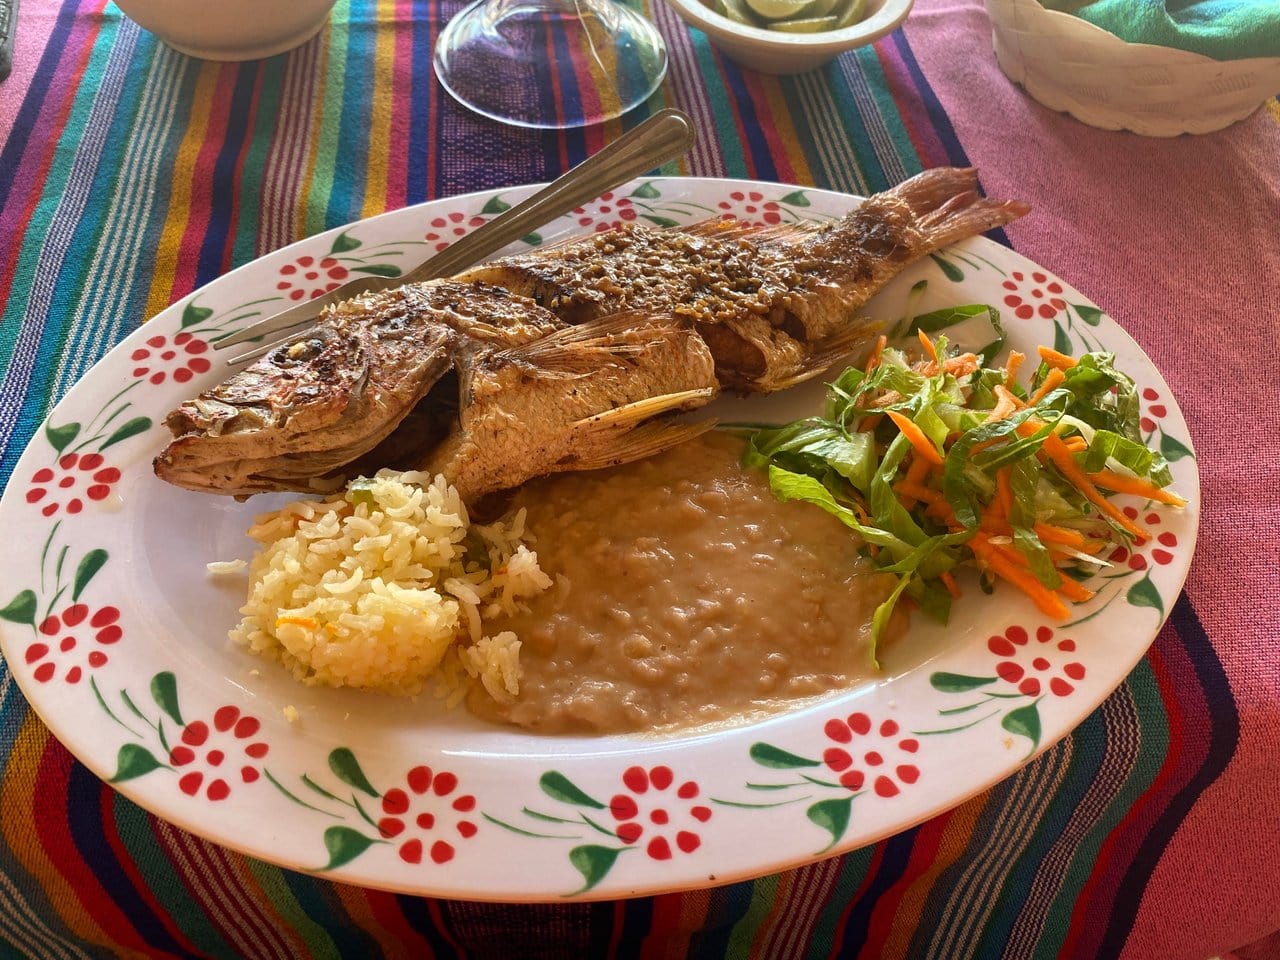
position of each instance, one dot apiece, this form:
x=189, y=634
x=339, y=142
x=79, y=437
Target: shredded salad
x=939, y=462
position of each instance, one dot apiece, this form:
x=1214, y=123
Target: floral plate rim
x=630, y=816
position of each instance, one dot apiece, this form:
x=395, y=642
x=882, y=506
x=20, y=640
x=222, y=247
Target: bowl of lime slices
x=791, y=36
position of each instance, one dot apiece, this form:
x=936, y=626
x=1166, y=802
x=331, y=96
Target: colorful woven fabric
x=130, y=175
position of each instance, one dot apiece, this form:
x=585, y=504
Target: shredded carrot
x=949, y=582
x=921, y=493
x=873, y=361
x=918, y=470
x=922, y=444
x=981, y=445
x=957, y=366
x=1055, y=359
x=860, y=512
x=1074, y=590
x=1076, y=444
x=1118, y=482
x=998, y=563
x=1004, y=491
x=1006, y=404
x=1051, y=533
x=1066, y=464
x=870, y=422
x=929, y=348
x=1003, y=393
x=1054, y=379
x=941, y=510
x=1069, y=588
x=859, y=505
x=1011, y=368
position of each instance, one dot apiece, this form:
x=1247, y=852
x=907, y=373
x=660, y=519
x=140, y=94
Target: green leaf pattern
x=91, y=563
x=133, y=761
x=345, y=844
x=22, y=608
x=342, y=762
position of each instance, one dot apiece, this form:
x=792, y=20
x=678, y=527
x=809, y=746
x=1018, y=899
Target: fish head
x=290, y=400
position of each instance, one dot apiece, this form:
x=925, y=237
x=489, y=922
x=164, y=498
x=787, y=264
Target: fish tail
x=948, y=207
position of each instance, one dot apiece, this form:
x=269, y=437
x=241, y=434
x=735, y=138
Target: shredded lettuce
x=852, y=461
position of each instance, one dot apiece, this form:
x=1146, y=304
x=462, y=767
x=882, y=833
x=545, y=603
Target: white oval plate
x=117, y=634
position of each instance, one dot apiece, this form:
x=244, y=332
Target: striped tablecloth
x=130, y=175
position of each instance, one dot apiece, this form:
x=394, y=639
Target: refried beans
x=687, y=594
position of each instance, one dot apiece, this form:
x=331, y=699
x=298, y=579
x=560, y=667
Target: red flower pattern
x=83, y=476
x=309, y=278
x=230, y=741
x=1164, y=542
x=426, y=806
x=155, y=361
x=750, y=207
x=58, y=645
x=609, y=212
x=650, y=804
x=865, y=751
x=1037, y=294
x=448, y=229
x=1155, y=409
x=1026, y=665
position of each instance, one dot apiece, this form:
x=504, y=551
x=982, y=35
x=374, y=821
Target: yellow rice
x=386, y=585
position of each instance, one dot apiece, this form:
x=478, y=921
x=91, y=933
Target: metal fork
x=665, y=135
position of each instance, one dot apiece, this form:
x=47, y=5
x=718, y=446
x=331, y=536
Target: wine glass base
x=550, y=63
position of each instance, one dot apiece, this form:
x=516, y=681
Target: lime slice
x=821, y=8
x=737, y=11
x=807, y=25
x=779, y=9
x=854, y=10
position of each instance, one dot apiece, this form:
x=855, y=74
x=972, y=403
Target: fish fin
x=642, y=442
x=948, y=207
x=725, y=229
x=630, y=414
x=824, y=354
x=613, y=338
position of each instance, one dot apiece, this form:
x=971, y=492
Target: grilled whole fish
x=558, y=359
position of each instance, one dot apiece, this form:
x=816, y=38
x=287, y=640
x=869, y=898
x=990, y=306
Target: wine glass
x=550, y=63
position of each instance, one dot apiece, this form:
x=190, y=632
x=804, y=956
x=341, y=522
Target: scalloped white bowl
x=787, y=53
x=1068, y=64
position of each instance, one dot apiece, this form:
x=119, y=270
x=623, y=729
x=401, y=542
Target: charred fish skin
x=310, y=407
x=768, y=307
x=763, y=298
x=575, y=400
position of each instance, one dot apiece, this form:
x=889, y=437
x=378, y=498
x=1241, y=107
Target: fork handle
x=666, y=134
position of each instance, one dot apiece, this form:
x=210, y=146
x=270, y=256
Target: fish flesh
x=562, y=358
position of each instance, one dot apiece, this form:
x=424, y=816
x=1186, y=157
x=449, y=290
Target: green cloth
x=1221, y=29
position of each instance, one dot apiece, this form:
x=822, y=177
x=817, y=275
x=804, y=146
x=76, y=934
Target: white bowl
x=784, y=53
x=230, y=29
x=1069, y=64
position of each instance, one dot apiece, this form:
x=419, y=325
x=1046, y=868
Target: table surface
x=130, y=175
